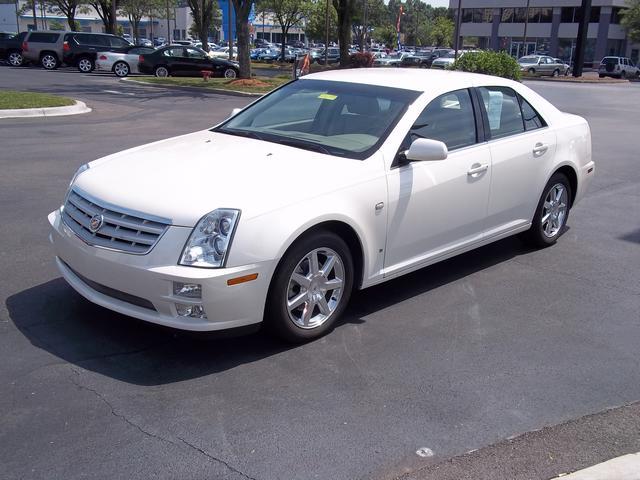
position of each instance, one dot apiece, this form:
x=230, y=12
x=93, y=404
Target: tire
x=85, y=65
x=15, y=59
x=600, y=75
x=290, y=322
x=121, y=69
x=161, y=71
x=552, y=212
x=230, y=73
x=49, y=61
x=623, y=74
x=556, y=73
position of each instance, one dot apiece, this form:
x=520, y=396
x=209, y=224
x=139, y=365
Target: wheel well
x=570, y=173
x=45, y=52
x=349, y=235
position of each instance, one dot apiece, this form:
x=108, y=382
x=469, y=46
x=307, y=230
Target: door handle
x=540, y=149
x=477, y=169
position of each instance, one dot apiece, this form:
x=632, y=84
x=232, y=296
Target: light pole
x=326, y=35
x=230, y=25
x=457, y=29
x=526, y=24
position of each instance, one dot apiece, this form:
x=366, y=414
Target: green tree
x=205, y=13
x=315, y=27
x=346, y=10
x=106, y=10
x=631, y=20
x=441, y=33
x=287, y=13
x=386, y=34
x=135, y=10
x=242, y=9
x=69, y=9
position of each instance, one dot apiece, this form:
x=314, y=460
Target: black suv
x=80, y=49
x=11, y=48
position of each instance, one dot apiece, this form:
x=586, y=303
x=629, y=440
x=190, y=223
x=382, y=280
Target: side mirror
x=234, y=112
x=425, y=149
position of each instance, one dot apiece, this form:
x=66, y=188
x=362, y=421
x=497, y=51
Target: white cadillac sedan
x=338, y=180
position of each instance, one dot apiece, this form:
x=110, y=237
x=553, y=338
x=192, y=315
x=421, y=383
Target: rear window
x=43, y=37
x=118, y=42
x=609, y=61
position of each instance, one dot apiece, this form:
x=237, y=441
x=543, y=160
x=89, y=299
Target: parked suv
x=619, y=67
x=80, y=49
x=11, y=49
x=43, y=47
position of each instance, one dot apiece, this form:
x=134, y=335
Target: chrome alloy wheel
x=84, y=65
x=15, y=59
x=315, y=288
x=49, y=62
x=554, y=210
x=162, y=72
x=121, y=69
x=230, y=73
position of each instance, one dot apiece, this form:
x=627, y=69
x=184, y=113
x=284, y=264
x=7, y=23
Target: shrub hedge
x=500, y=64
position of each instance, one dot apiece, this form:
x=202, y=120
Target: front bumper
x=141, y=286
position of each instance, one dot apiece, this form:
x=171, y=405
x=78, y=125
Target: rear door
x=522, y=150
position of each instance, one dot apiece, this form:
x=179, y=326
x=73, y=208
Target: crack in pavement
x=150, y=434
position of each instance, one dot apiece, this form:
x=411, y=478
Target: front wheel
x=311, y=288
x=230, y=73
x=49, y=61
x=531, y=71
x=161, y=72
x=556, y=73
x=551, y=214
x=85, y=65
x=121, y=69
x=15, y=59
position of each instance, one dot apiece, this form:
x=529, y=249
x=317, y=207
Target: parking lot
x=491, y=344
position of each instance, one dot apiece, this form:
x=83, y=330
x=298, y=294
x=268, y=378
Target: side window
x=532, y=119
x=193, y=53
x=503, y=110
x=448, y=118
x=174, y=52
x=118, y=42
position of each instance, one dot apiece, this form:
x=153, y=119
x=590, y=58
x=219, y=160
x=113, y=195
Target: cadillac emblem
x=96, y=223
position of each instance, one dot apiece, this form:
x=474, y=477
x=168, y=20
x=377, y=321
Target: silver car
x=541, y=65
x=122, y=64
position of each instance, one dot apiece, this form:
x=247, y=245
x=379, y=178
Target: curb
x=626, y=467
x=76, y=109
x=612, y=81
x=217, y=91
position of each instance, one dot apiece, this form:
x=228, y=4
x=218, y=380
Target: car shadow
x=54, y=318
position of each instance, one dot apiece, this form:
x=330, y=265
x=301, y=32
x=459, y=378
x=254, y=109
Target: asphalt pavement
x=459, y=356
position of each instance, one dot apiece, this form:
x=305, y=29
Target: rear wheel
x=85, y=65
x=551, y=214
x=556, y=73
x=161, y=72
x=623, y=74
x=121, y=69
x=49, y=61
x=311, y=288
x=15, y=59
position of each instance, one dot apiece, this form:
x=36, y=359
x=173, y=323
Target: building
x=552, y=28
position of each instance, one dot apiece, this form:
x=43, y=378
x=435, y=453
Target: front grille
x=113, y=293
x=119, y=231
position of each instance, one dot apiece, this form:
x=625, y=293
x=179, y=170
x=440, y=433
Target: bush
x=499, y=64
x=361, y=60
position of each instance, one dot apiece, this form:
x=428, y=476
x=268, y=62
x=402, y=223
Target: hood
x=186, y=177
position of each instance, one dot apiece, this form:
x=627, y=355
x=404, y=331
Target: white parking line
x=626, y=467
x=118, y=93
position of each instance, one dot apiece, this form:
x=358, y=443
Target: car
x=446, y=60
x=185, y=61
x=435, y=54
x=144, y=42
x=11, y=49
x=275, y=55
x=618, y=67
x=121, y=63
x=237, y=225
x=541, y=65
x=185, y=43
x=392, y=60
x=80, y=49
x=222, y=52
x=332, y=53
x=44, y=47
x=418, y=60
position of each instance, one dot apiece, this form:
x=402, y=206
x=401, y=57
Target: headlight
x=210, y=240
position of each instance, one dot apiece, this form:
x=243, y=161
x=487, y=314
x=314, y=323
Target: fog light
x=188, y=290
x=192, y=311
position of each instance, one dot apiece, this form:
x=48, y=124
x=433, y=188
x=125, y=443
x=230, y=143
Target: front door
x=438, y=207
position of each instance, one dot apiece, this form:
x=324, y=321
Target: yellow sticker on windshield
x=327, y=96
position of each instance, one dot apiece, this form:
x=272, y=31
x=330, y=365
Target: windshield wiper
x=240, y=133
x=314, y=147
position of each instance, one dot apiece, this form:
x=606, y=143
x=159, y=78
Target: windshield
x=394, y=55
x=335, y=118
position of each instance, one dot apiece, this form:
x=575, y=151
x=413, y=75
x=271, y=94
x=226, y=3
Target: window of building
x=506, y=15
x=567, y=14
x=546, y=15
x=594, y=17
x=520, y=15
x=615, y=15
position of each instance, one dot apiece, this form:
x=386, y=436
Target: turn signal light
x=243, y=279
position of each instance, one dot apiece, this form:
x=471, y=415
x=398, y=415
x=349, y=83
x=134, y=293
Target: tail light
x=66, y=47
x=102, y=57
x=25, y=47
x=140, y=59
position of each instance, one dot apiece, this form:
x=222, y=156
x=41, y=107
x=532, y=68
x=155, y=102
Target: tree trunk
x=242, y=32
x=113, y=18
x=71, y=20
x=35, y=16
x=344, y=37
x=285, y=32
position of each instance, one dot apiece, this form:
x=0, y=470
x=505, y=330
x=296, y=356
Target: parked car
x=392, y=60
x=418, y=60
x=185, y=61
x=182, y=42
x=333, y=55
x=434, y=55
x=44, y=47
x=446, y=60
x=80, y=49
x=222, y=52
x=143, y=42
x=618, y=67
x=275, y=55
x=121, y=63
x=11, y=49
x=541, y=65
x=424, y=165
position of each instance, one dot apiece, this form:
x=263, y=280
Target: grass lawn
x=11, y=99
x=255, y=85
